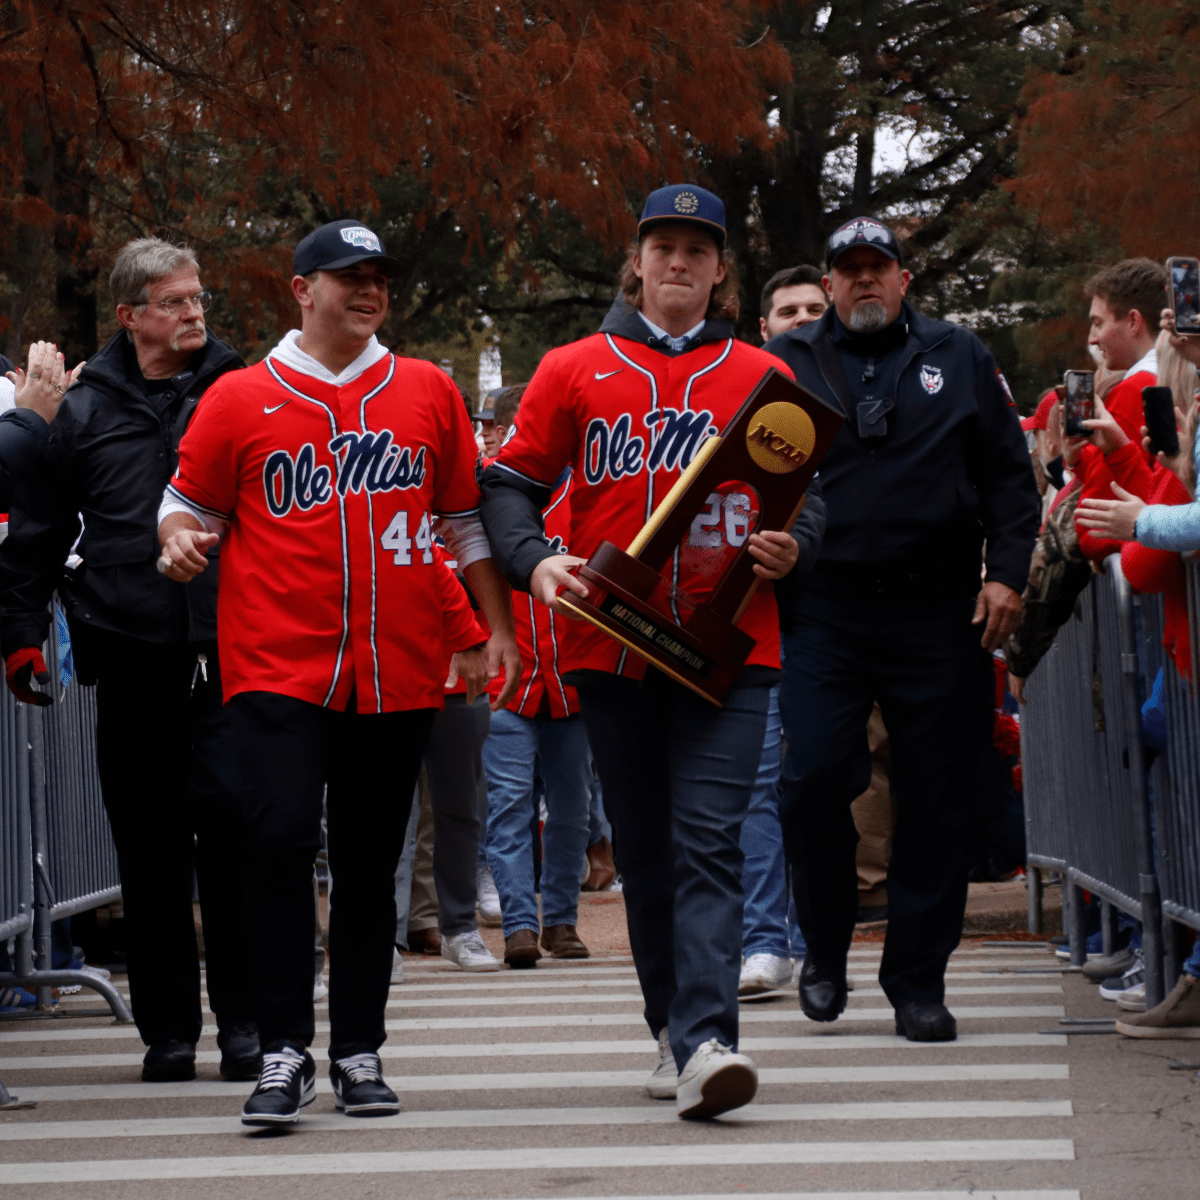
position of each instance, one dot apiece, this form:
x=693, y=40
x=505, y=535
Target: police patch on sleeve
x=1006, y=389
x=932, y=379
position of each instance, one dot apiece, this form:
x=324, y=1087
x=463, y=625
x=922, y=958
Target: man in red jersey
x=325, y=471
x=627, y=409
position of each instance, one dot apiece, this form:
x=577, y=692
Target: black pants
x=920, y=658
x=164, y=754
x=677, y=774
x=286, y=751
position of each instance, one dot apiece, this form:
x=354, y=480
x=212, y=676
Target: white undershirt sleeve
x=174, y=502
x=464, y=538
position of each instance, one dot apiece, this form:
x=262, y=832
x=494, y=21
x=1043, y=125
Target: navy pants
x=677, y=773
x=921, y=659
x=286, y=751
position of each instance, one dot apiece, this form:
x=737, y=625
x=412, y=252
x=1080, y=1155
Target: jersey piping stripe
x=653, y=408
x=554, y=632
x=536, y=659
x=333, y=429
x=362, y=420
x=450, y=516
x=520, y=474
x=557, y=677
x=200, y=508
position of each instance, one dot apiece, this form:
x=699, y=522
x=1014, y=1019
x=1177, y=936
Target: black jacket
x=945, y=469
x=512, y=507
x=22, y=440
x=108, y=458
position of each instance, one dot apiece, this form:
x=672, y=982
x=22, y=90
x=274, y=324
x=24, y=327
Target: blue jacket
x=1171, y=526
x=946, y=467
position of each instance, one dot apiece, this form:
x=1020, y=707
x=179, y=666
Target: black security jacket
x=109, y=455
x=512, y=507
x=947, y=470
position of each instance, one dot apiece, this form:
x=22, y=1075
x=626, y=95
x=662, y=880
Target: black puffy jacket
x=109, y=455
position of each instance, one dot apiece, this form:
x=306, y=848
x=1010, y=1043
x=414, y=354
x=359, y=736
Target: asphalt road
x=523, y=1085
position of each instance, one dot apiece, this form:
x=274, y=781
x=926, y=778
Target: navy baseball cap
x=687, y=204
x=862, y=231
x=341, y=244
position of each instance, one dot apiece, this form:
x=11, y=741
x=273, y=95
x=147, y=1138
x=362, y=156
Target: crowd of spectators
x=1113, y=493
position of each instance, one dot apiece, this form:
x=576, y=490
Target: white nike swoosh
x=277, y=407
x=608, y=373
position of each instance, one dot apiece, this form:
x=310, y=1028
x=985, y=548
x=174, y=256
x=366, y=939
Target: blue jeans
x=508, y=761
x=598, y=827
x=764, y=877
x=678, y=773
x=1192, y=966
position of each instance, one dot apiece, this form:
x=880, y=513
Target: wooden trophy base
x=706, y=654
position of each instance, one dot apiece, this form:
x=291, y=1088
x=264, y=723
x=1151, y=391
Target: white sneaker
x=762, y=973
x=715, y=1080
x=661, y=1084
x=489, y=899
x=397, y=965
x=467, y=952
x=320, y=991
x=1133, y=999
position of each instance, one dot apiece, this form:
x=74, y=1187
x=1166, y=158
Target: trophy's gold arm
x=659, y=515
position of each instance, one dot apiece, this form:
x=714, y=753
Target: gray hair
x=141, y=262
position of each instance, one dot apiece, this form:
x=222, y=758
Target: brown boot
x=521, y=949
x=561, y=941
x=424, y=941
x=603, y=869
x=1178, y=1016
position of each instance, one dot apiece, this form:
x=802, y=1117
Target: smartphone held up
x=1158, y=407
x=1185, y=294
x=1079, y=402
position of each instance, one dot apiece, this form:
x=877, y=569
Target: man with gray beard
x=903, y=607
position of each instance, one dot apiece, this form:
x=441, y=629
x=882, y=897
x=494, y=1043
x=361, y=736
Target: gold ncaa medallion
x=780, y=437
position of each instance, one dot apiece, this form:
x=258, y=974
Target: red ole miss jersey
x=541, y=633
x=329, y=582
x=464, y=626
x=626, y=419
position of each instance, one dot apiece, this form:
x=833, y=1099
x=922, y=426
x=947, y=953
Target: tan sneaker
x=1178, y=1016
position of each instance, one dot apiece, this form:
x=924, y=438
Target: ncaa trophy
x=750, y=478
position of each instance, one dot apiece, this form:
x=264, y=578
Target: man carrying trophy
x=628, y=409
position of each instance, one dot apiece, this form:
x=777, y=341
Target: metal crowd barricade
x=1089, y=812
x=56, y=855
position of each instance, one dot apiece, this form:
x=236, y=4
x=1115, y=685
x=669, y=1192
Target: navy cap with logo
x=341, y=244
x=687, y=204
x=862, y=231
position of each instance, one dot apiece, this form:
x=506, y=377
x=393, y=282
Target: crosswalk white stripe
x=747, y=1016
x=813, y=1042
x=524, y=1080
x=491, y=1118
x=973, y=1194
x=60, y=1062
x=531, y=1158
x=497, y=982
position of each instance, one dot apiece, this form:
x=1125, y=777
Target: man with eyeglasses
x=162, y=735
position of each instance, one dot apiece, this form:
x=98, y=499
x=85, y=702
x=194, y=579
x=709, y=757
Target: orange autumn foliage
x=168, y=117
x=1109, y=144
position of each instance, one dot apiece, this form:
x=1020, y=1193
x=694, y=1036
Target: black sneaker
x=358, y=1086
x=287, y=1083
